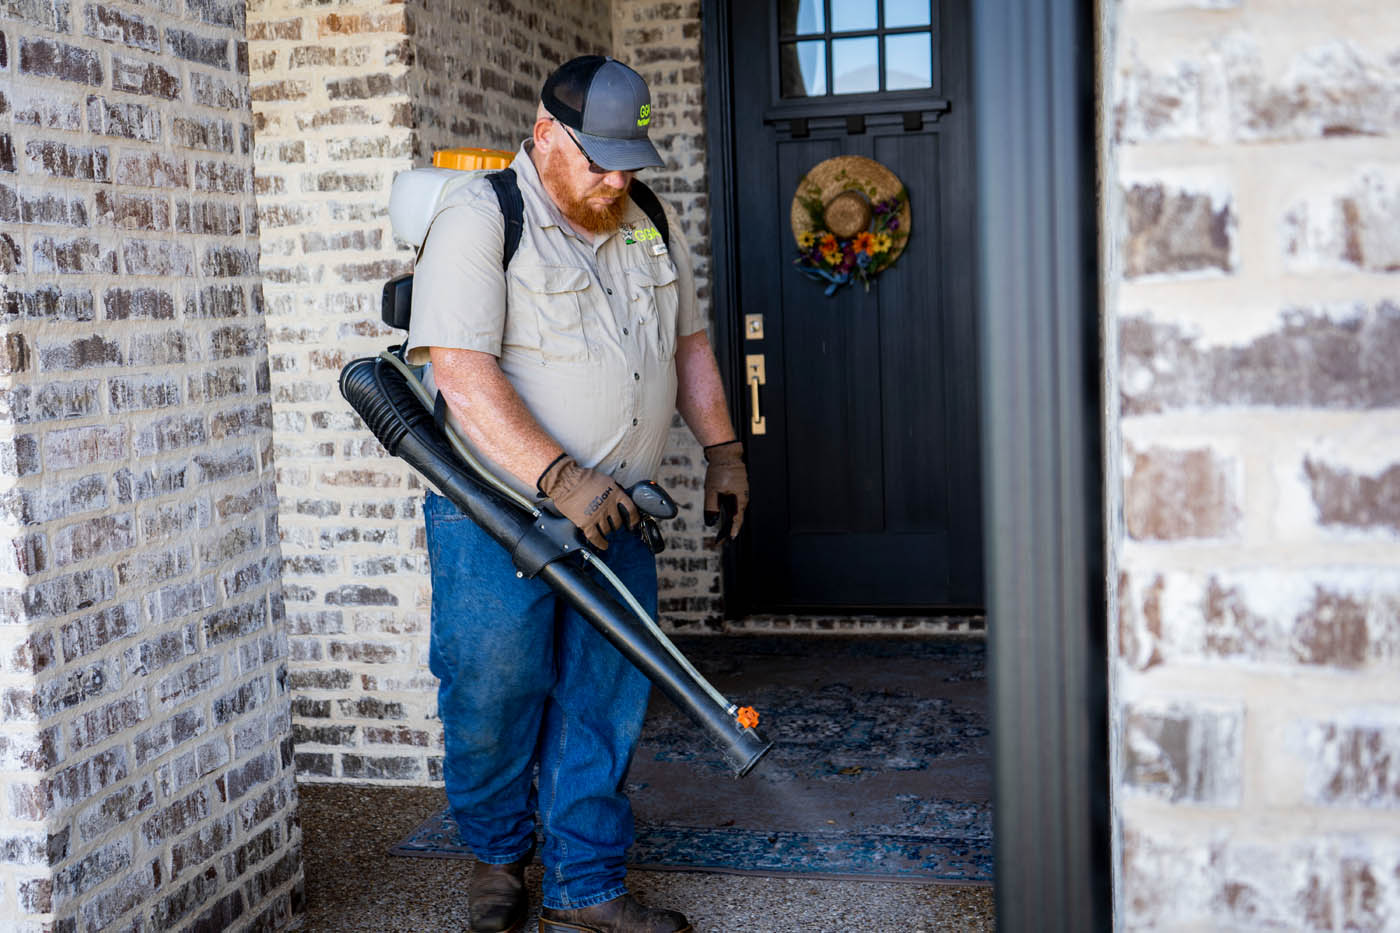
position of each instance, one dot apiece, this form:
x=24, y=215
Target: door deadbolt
x=756, y=374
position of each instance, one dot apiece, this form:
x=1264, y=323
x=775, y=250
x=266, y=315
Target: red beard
x=574, y=204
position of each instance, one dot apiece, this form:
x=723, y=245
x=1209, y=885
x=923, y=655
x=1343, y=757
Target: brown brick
x=133, y=211
x=151, y=170
x=281, y=90
x=194, y=47
x=11, y=257
x=1312, y=361
x=50, y=14
x=53, y=209
x=90, y=633
x=91, y=445
x=275, y=29
x=48, y=58
x=113, y=25
x=227, y=261
x=1175, y=494
x=7, y=153
x=352, y=24
x=1353, y=765
x=84, y=163
x=1171, y=232
x=217, y=93
x=156, y=257
x=392, y=768
x=131, y=121
x=321, y=56
x=121, y=304
x=14, y=354
x=224, y=177
x=219, y=12
x=365, y=87
x=1331, y=89
x=116, y=809
x=1351, y=500
x=80, y=255
x=143, y=392
x=141, y=77
x=35, y=107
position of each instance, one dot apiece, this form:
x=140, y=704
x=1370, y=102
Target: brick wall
x=662, y=40
x=146, y=775
x=345, y=96
x=1255, y=309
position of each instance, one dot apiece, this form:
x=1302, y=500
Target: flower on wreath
x=850, y=218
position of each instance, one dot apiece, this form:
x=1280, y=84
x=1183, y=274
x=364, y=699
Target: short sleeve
x=459, y=288
x=689, y=318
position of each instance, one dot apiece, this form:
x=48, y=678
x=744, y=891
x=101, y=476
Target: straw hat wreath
x=850, y=216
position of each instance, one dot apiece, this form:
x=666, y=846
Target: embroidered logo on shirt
x=634, y=235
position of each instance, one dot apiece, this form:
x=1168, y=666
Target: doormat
x=881, y=767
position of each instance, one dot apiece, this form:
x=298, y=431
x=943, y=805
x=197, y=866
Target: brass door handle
x=756, y=375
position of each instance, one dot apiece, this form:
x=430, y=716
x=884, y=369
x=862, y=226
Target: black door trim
x=1034, y=84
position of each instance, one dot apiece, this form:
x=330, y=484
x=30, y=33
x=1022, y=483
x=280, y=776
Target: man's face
x=592, y=201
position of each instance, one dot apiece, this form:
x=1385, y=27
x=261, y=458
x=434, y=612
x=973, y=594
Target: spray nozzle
x=747, y=717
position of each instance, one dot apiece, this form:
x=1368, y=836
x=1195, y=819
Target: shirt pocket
x=554, y=299
x=653, y=287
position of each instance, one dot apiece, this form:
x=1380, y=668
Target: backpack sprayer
x=389, y=395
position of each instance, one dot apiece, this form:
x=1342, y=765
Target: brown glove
x=726, y=475
x=588, y=498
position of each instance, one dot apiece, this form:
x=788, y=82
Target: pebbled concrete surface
x=354, y=886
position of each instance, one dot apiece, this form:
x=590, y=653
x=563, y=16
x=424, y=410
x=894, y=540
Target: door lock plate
x=753, y=327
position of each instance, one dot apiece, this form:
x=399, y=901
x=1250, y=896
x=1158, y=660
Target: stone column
x=145, y=752
x=1256, y=650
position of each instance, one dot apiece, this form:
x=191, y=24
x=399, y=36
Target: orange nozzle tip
x=747, y=717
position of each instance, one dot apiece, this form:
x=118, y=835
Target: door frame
x=1034, y=87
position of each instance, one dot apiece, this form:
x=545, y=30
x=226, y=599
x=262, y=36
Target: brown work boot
x=496, y=896
x=619, y=915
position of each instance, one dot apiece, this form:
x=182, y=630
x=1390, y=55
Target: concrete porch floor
x=354, y=886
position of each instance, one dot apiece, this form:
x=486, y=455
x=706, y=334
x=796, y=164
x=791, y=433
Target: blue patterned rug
x=881, y=767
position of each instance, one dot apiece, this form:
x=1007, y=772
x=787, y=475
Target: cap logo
x=644, y=115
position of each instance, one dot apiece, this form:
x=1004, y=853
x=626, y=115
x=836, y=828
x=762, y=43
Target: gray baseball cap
x=608, y=106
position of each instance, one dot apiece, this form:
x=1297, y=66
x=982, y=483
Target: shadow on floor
x=354, y=886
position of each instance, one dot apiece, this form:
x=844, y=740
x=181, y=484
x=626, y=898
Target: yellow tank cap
x=469, y=159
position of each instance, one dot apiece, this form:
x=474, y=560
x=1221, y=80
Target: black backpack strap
x=512, y=208
x=650, y=204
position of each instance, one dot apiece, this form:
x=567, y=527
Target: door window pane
x=906, y=13
x=847, y=15
x=855, y=65
x=802, y=67
x=801, y=17
x=908, y=61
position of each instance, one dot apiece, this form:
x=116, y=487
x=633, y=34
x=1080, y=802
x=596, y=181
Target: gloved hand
x=726, y=475
x=588, y=498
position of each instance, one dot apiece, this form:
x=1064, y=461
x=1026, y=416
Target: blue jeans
x=527, y=681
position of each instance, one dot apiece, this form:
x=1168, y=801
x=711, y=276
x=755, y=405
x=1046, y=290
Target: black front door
x=863, y=447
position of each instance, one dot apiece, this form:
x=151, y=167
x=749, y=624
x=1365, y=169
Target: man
x=563, y=375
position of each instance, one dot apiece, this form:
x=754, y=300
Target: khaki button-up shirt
x=585, y=327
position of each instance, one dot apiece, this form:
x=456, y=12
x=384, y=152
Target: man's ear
x=543, y=134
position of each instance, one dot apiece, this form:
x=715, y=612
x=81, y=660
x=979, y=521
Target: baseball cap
x=608, y=106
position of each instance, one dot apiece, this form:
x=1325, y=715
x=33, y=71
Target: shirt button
x=637, y=376
x=634, y=421
x=624, y=331
x=608, y=290
x=622, y=465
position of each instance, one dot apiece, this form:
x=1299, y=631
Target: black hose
x=380, y=395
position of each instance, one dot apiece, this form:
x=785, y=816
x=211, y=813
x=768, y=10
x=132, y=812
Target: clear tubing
x=656, y=632
x=460, y=447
